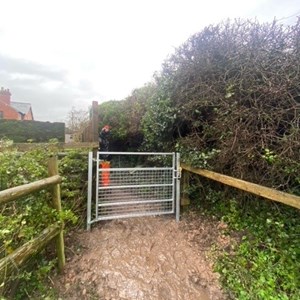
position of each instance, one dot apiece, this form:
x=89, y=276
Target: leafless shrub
x=236, y=87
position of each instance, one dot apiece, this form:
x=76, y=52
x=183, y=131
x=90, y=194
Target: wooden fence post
x=185, y=200
x=56, y=201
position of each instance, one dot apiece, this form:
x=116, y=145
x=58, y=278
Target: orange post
x=105, y=178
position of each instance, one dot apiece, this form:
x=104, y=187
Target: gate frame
x=176, y=182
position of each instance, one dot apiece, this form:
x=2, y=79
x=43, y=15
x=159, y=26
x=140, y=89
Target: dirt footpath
x=142, y=258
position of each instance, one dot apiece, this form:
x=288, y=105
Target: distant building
x=68, y=136
x=11, y=110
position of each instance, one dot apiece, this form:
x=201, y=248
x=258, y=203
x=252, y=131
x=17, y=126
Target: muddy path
x=142, y=258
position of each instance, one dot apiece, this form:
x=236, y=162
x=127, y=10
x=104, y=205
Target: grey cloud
x=48, y=104
x=21, y=66
x=85, y=85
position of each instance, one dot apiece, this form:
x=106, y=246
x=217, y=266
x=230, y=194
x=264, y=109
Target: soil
x=144, y=258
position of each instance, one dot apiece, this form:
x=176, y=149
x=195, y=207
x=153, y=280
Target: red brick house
x=11, y=110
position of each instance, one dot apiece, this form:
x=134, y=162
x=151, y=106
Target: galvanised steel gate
x=132, y=184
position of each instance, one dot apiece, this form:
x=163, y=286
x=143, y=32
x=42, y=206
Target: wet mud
x=139, y=258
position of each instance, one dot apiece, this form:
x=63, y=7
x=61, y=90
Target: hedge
x=35, y=131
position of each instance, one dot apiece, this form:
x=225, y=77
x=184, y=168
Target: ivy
x=23, y=219
x=266, y=261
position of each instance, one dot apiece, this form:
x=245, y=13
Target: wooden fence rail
x=253, y=188
x=13, y=261
x=26, y=189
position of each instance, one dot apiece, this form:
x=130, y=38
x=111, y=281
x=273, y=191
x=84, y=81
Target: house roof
x=21, y=107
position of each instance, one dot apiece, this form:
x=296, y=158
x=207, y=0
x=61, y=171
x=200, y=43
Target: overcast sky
x=57, y=54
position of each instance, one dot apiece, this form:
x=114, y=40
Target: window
x=1, y=115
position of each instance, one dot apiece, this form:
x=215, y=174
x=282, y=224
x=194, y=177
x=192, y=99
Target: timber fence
x=256, y=189
x=22, y=147
x=17, y=258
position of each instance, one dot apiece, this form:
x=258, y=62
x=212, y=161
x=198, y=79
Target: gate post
x=89, y=200
x=178, y=171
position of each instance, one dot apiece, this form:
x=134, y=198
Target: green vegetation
x=33, y=131
x=125, y=118
x=228, y=99
x=263, y=258
x=24, y=219
x=233, y=87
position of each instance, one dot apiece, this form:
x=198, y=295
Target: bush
x=33, y=131
x=26, y=218
x=234, y=87
x=262, y=257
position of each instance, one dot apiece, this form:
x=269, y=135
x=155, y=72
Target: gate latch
x=178, y=173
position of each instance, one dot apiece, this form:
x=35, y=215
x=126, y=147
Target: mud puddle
x=138, y=258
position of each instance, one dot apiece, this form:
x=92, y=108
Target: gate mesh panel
x=135, y=191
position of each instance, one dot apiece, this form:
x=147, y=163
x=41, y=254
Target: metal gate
x=132, y=184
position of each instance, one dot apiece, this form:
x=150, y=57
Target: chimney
x=5, y=96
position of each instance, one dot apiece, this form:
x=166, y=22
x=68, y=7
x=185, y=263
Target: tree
x=77, y=121
x=125, y=117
